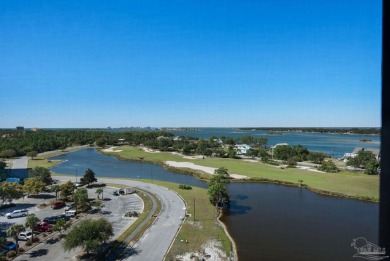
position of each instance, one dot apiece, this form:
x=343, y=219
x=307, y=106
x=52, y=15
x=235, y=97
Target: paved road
x=157, y=239
x=20, y=163
x=19, y=167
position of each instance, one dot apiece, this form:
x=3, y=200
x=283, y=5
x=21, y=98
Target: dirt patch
x=210, y=251
x=196, y=224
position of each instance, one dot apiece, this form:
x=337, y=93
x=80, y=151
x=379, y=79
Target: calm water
x=268, y=222
x=273, y=222
x=335, y=145
x=109, y=166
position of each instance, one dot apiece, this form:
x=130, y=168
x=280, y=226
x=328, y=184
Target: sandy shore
x=209, y=170
x=111, y=150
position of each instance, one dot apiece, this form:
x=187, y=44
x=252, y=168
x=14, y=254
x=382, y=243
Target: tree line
x=26, y=142
x=40, y=180
x=21, y=142
x=365, y=131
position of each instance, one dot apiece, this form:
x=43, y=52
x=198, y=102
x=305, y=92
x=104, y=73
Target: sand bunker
x=190, y=165
x=111, y=150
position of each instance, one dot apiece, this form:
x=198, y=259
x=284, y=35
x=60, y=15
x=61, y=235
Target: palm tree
x=13, y=232
x=98, y=192
x=56, y=189
x=31, y=221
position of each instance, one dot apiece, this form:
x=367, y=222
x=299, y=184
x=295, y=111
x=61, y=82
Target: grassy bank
x=350, y=184
x=43, y=159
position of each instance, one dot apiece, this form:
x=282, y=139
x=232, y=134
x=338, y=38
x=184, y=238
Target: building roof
x=279, y=144
x=374, y=151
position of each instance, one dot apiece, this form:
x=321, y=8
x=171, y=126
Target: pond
x=267, y=221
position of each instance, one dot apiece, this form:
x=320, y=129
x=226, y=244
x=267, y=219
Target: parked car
x=17, y=213
x=43, y=226
x=115, y=193
x=64, y=217
x=69, y=206
x=79, y=184
x=70, y=213
x=121, y=191
x=58, y=204
x=50, y=220
x=3, y=250
x=25, y=235
x=9, y=245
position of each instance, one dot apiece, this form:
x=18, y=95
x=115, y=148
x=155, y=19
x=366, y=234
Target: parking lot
x=114, y=209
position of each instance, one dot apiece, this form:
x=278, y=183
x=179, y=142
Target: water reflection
x=286, y=223
x=109, y=166
x=267, y=221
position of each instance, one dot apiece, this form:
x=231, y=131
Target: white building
x=354, y=153
x=242, y=148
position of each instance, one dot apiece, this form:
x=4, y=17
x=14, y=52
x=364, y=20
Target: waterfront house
x=242, y=148
x=354, y=153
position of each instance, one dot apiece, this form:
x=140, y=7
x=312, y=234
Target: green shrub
x=131, y=214
x=186, y=187
x=328, y=166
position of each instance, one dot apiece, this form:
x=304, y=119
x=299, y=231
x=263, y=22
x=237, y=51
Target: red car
x=58, y=204
x=42, y=226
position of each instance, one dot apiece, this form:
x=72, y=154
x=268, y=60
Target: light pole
x=76, y=175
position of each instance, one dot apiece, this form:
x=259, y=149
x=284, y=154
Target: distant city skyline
x=89, y=64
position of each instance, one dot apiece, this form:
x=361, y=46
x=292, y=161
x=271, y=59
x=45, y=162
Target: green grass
x=43, y=159
x=346, y=183
x=41, y=162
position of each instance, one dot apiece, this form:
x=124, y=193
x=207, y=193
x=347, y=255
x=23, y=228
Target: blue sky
x=268, y=63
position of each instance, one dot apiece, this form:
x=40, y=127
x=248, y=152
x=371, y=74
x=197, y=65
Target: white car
x=25, y=235
x=69, y=206
x=17, y=213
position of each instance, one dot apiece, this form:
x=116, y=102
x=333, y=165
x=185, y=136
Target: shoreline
x=234, y=255
x=199, y=174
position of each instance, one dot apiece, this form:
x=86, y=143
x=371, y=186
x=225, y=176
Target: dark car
x=64, y=217
x=58, y=204
x=8, y=245
x=53, y=219
x=115, y=193
x=3, y=250
x=50, y=220
x=121, y=191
